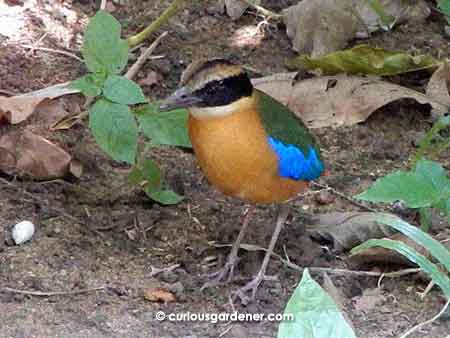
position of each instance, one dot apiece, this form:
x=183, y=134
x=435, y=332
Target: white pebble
x=22, y=232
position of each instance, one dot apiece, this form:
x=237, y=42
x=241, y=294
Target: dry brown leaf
x=23, y=152
x=338, y=100
x=368, y=300
x=318, y=27
x=345, y=230
x=16, y=109
x=159, y=295
x=438, y=85
x=236, y=8
x=386, y=256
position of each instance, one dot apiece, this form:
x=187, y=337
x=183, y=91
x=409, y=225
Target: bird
x=248, y=145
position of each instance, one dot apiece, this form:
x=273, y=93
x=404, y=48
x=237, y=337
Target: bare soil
x=122, y=236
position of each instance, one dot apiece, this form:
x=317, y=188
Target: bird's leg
x=227, y=272
x=261, y=276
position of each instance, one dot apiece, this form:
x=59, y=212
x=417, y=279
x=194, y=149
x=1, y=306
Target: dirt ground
x=122, y=236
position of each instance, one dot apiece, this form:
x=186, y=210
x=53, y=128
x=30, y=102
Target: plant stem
x=162, y=19
x=425, y=219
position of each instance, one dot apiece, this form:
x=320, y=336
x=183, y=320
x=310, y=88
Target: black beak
x=181, y=98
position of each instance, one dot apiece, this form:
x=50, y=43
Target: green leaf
x=88, y=85
x=168, y=128
x=444, y=6
x=115, y=129
x=121, y=90
x=436, y=249
x=136, y=176
x=166, y=197
x=424, y=187
x=103, y=49
x=315, y=314
x=431, y=269
x=152, y=176
x=364, y=59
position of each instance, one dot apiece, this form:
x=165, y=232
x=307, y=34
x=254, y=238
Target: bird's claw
x=253, y=287
x=226, y=274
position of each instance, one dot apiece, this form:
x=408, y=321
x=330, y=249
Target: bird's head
x=212, y=88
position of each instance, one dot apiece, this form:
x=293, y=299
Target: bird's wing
x=282, y=124
x=287, y=135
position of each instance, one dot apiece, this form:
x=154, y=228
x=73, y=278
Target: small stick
x=103, y=5
x=50, y=50
x=418, y=326
x=348, y=198
x=143, y=57
x=49, y=294
x=161, y=20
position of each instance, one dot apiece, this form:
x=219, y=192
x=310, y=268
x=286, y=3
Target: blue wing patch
x=292, y=163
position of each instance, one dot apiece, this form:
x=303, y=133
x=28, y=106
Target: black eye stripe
x=222, y=92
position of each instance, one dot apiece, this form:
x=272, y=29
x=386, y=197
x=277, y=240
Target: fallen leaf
x=16, y=109
x=318, y=27
x=345, y=230
x=236, y=8
x=339, y=100
x=386, y=256
x=364, y=59
x=23, y=152
x=159, y=295
x=369, y=299
x=438, y=86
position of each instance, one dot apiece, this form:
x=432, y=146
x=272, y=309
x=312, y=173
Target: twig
x=161, y=20
x=156, y=271
x=263, y=10
x=37, y=43
x=399, y=273
x=103, y=5
x=143, y=57
x=418, y=326
x=49, y=294
x=348, y=198
x=50, y=50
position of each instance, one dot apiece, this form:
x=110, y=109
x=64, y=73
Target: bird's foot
x=224, y=275
x=253, y=287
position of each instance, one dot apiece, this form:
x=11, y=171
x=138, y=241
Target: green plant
x=315, y=314
x=444, y=6
x=424, y=187
x=115, y=125
x=439, y=252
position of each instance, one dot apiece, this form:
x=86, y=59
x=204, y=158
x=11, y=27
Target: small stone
x=22, y=232
x=325, y=197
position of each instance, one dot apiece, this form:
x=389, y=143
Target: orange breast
x=234, y=154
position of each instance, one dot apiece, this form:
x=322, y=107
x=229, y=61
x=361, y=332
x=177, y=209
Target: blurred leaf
x=436, y=249
x=136, y=176
x=168, y=128
x=115, y=130
x=88, y=85
x=166, y=197
x=103, y=49
x=364, y=59
x=431, y=269
x=387, y=20
x=424, y=187
x=121, y=90
x=444, y=6
x=315, y=314
x=152, y=176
